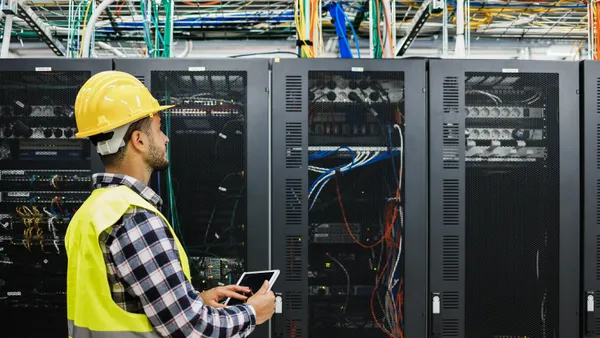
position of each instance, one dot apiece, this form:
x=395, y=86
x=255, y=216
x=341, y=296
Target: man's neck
x=138, y=172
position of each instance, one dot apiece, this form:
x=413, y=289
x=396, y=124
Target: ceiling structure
x=521, y=24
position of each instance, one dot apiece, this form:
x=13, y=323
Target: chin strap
x=115, y=143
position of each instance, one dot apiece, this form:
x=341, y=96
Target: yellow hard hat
x=112, y=99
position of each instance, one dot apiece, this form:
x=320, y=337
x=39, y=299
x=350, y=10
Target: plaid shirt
x=145, y=274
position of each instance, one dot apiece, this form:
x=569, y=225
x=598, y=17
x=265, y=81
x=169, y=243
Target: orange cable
x=337, y=188
x=389, y=29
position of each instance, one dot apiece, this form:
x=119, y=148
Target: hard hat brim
x=129, y=119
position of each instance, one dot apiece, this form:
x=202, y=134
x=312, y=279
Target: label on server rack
x=17, y=194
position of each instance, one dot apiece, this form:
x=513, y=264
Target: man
x=128, y=275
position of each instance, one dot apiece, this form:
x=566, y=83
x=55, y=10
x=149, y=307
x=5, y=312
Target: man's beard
x=156, y=160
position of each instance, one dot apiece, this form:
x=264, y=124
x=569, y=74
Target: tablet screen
x=254, y=281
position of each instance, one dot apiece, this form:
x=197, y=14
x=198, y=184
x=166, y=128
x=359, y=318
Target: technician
x=128, y=275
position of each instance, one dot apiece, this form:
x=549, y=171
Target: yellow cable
x=300, y=26
x=29, y=212
x=87, y=10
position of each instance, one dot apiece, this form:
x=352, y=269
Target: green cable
x=167, y=33
x=377, y=51
x=172, y=203
x=76, y=25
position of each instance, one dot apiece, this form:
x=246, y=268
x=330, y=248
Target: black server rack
x=218, y=153
x=349, y=205
x=504, y=199
x=45, y=174
x=590, y=141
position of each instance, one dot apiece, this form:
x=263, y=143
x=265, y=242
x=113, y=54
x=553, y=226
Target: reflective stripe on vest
x=81, y=332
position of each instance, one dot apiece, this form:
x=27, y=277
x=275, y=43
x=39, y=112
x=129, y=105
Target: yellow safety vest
x=91, y=311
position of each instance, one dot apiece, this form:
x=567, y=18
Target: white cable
x=53, y=227
x=6, y=39
x=495, y=98
x=188, y=49
x=391, y=282
x=534, y=99
x=90, y=28
x=401, y=155
x=543, y=314
x=110, y=48
x=381, y=304
x=356, y=159
x=323, y=181
x=48, y=212
x=347, y=280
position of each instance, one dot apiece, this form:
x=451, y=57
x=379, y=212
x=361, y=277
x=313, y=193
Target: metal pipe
x=307, y=11
x=468, y=27
x=371, y=37
x=459, y=51
x=445, y=30
x=6, y=39
x=89, y=29
x=590, y=31
x=108, y=47
x=389, y=48
x=394, y=31
x=170, y=21
x=187, y=50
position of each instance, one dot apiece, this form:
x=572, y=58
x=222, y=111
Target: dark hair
x=143, y=125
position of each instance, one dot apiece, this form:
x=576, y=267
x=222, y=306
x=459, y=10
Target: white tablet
x=254, y=280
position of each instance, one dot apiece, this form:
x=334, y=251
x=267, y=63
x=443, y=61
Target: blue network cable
x=324, y=178
x=339, y=18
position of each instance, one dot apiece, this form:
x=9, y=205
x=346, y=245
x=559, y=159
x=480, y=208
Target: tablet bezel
x=271, y=281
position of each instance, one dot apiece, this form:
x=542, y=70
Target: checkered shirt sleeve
x=147, y=260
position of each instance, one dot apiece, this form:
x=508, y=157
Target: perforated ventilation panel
x=598, y=95
x=449, y=327
x=598, y=146
x=293, y=258
x=293, y=145
x=451, y=133
x=450, y=249
x=294, y=192
x=293, y=328
x=597, y=258
x=451, y=95
x=512, y=205
x=293, y=300
x=450, y=300
x=597, y=321
x=451, y=196
x=293, y=94
x=353, y=120
x=44, y=169
x=207, y=129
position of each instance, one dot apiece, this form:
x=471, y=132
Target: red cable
x=337, y=188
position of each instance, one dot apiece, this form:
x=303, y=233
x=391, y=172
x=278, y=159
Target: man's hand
x=263, y=303
x=213, y=296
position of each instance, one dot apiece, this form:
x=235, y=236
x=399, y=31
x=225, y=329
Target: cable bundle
x=382, y=41
x=392, y=232
x=361, y=159
x=308, y=43
x=339, y=18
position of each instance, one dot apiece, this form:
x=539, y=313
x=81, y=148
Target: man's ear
x=138, y=141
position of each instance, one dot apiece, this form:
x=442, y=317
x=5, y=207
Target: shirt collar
x=106, y=180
